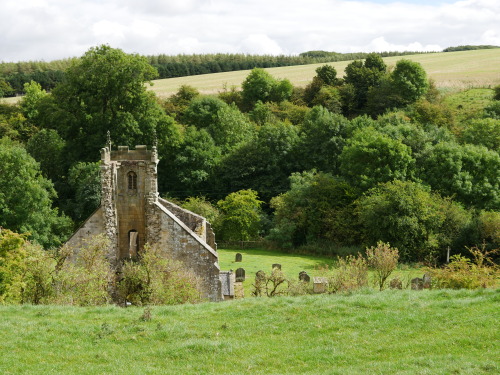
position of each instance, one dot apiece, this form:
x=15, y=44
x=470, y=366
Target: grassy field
x=450, y=70
x=390, y=332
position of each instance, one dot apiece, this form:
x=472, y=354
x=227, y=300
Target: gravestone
x=426, y=281
x=303, y=276
x=396, y=284
x=276, y=265
x=320, y=284
x=240, y=275
x=417, y=283
x=238, y=258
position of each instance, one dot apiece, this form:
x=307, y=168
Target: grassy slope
x=403, y=332
x=452, y=70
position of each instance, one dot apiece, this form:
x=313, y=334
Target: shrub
x=383, y=259
x=351, y=274
x=272, y=285
x=85, y=277
x=464, y=273
x=156, y=280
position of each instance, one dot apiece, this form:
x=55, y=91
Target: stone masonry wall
x=93, y=226
x=179, y=243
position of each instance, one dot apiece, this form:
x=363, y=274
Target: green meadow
x=368, y=332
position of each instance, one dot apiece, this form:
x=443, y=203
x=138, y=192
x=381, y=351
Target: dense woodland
x=339, y=164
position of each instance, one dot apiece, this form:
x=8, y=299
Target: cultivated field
x=390, y=332
x=450, y=70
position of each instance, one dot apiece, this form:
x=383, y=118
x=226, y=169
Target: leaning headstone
x=417, y=283
x=426, y=281
x=238, y=258
x=240, y=275
x=396, y=283
x=276, y=265
x=320, y=284
x=303, y=276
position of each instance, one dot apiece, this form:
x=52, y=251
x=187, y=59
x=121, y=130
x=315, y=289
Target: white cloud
x=50, y=29
x=260, y=44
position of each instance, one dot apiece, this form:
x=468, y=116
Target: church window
x=132, y=180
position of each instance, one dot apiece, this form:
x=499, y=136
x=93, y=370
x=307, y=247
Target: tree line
x=342, y=163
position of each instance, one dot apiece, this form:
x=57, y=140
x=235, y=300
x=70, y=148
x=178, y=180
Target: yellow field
x=455, y=70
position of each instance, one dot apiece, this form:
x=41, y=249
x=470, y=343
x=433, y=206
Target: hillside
x=450, y=70
x=391, y=332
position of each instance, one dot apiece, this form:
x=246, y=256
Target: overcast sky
x=54, y=29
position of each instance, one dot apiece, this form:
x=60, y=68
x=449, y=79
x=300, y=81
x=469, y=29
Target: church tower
x=132, y=214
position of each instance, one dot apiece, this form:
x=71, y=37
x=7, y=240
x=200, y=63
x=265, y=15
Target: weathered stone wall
x=93, y=226
x=178, y=242
x=198, y=224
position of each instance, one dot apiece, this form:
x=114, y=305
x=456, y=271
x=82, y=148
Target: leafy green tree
x=105, y=91
x=263, y=163
x=363, y=76
x=409, y=217
x=230, y=128
x=202, y=111
x=33, y=95
x=468, y=173
x=322, y=140
x=26, y=198
x=485, y=132
x=327, y=74
x=194, y=163
x=410, y=80
x=371, y=157
x=317, y=207
x=241, y=216
x=47, y=147
x=260, y=85
x=84, y=180
x=5, y=88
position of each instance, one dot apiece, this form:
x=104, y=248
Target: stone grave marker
x=320, y=284
x=240, y=275
x=417, y=283
x=426, y=281
x=276, y=265
x=303, y=276
x=238, y=258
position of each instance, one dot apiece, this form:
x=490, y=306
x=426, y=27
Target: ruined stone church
x=132, y=214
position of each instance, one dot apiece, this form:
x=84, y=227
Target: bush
x=350, y=274
x=464, y=273
x=86, y=277
x=272, y=285
x=156, y=280
x=383, y=259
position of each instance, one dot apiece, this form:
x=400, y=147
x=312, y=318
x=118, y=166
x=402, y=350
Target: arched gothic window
x=132, y=180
